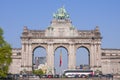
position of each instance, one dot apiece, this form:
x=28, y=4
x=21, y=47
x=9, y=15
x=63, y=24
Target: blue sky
x=37, y=14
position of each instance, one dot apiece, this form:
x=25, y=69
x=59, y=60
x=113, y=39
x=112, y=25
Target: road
x=69, y=79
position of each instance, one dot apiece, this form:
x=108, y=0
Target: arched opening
x=60, y=60
x=82, y=58
x=39, y=58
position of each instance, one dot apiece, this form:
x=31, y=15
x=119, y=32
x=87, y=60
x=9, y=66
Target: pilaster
x=50, y=59
x=71, y=57
x=92, y=56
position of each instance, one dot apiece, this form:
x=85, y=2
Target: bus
x=78, y=73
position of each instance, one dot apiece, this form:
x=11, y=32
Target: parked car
x=83, y=76
x=56, y=76
x=49, y=76
x=109, y=75
x=43, y=76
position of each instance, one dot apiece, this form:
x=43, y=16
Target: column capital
x=71, y=43
x=49, y=43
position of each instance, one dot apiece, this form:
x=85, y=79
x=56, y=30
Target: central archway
x=60, y=60
x=82, y=58
x=39, y=57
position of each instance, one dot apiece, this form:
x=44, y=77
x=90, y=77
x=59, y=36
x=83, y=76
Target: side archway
x=39, y=57
x=82, y=58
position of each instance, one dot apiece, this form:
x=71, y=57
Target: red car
x=50, y=76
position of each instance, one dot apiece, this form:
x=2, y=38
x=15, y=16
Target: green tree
x=38, y=72
x=5, y=55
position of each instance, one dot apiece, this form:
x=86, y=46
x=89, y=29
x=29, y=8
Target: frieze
x=61, y=41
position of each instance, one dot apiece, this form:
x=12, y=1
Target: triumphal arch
x=61, y=32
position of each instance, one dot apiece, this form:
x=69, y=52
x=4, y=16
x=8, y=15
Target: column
x=23, y=56
x=71, y=57
x=50, y=59
x=99, y=56
x=92, y=57
x=95, y=57
x=26, y=57
x=30, y=57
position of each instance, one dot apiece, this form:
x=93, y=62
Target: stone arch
x=39, y=55
x=59, y=47
x=57, y=52
x=85, y=47
x=71, y=39
x=64, y=46
x=37, y=46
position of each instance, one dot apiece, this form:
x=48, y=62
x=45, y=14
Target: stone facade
x=15, y=67
x=61, y=33
x=110, y=61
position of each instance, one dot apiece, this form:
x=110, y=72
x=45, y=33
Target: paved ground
x=69, y=79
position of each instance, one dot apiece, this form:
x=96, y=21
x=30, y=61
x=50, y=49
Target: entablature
x=61, y=32
x=16, y=52
x=110, y=53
